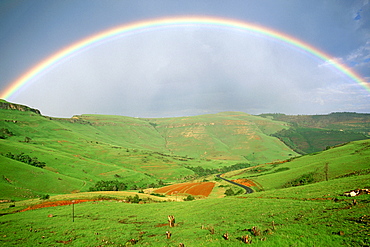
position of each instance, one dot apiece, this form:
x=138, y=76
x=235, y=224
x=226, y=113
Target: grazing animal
x=181, y=245
x=226, y=236
x=246, y=239
x=256, y=231
x=168, y=234
x=171, y=220
x=356, y=192
x=133, y=241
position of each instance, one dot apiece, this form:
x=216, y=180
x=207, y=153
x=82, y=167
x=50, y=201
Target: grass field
x=305, y=216
x=316, y=214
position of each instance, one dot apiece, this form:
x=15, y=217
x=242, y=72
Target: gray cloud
x=188, y=71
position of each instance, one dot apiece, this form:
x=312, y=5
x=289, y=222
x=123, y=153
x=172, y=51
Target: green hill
x=313, y=133
x=138, y=152
x=315, y=214
x=351, y=159
x=298, y=200
x=143, y=152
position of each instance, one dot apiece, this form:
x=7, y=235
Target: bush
x=159, y=195
x=5, y=133
x=307, y=178
x=189, y=198
x=44, y=197
x=229, y=192
x=134, y=199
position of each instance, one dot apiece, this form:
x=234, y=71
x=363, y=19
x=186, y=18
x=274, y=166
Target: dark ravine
x=248, y=190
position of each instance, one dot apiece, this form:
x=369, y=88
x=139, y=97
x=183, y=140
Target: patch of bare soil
x=54, y=204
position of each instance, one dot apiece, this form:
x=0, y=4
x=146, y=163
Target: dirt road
x=247, y=189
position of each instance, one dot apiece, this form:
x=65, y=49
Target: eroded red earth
x=195, y=189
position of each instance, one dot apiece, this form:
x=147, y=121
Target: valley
x=126, y=175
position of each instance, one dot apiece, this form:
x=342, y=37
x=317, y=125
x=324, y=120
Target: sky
x=186, y=70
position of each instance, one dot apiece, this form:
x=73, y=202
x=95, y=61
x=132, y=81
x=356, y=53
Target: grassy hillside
x=313, y=133
x=224, y=136
x=349, y=121
x=297, y=203
x=304, y=216
x=346, y=160
x=137, y=152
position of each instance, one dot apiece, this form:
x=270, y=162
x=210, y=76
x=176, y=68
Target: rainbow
x=142, y=26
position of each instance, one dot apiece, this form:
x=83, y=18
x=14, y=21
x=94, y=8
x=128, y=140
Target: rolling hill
x=140, y=152
x=298, y=200
x=309, y=134
x=314, y=214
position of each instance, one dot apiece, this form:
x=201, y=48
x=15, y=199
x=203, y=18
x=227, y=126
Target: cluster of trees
x=151, y=185
x=307, y=178
x=230, y=192
x=112, y=185
x=133, y=199
x=33, y=161
x=200, y=171
x=115, y=185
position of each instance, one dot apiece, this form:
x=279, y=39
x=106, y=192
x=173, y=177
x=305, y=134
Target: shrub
x=44, y=197
x=155, y=194
x=133, y=199
x=189, y=198
x=229, y=192
x=281, y=169
x=5, y=133
x=307, y=178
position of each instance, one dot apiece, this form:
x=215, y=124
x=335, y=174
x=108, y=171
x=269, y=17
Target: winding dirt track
x=248, y=190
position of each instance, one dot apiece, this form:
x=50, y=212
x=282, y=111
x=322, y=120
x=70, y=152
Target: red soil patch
x=245, y=182
x=196, y=189
x=53, y=204
x=203, y=189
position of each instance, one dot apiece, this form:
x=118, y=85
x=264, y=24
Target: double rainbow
x=173, y=22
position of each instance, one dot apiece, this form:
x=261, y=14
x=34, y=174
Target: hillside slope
x=313, y=133
x=351, y=159
x=138, y=152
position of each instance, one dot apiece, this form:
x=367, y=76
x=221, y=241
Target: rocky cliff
x=11, y=106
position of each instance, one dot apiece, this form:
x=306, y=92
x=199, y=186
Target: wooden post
x=73, y=211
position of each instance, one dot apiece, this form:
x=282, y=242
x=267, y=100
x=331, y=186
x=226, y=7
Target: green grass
x=89, y=148
x=291, y=220
x=83, y=150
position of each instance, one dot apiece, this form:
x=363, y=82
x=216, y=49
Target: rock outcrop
x=11, y=106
